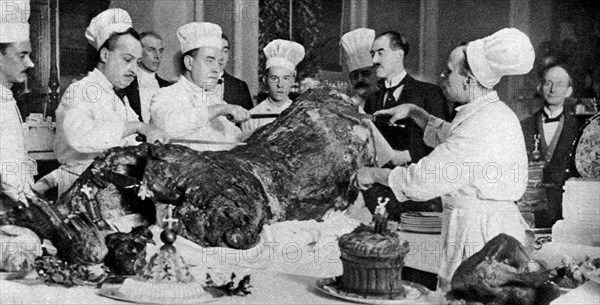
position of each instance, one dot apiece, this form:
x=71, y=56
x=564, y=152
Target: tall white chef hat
x=199, y=34
x=283, y=53
x=506, y=52
x=14, y=20
x=357, y=44
x=113, y=20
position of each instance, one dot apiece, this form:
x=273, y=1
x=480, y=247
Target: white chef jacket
x=267, y=106
x=479, y=168
x=181, y=110
x=16, y=168
x=148, y=85
x=89, y=120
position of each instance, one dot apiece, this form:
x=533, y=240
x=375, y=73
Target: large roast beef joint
x=298, y=167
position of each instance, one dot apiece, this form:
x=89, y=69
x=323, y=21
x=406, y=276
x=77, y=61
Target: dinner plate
x=114, y=293
x=423, y=230
x=417, y=222
x=424, y=225
x=415, y=292
x=421, y=215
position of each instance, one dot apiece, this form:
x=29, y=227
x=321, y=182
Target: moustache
x=361, y=85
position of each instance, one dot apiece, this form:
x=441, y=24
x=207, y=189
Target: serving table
x=281, y=273
x=285, y=266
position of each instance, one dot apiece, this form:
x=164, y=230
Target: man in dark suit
x=139, y=93
x=234, y=90
x=397, y=87
x=556, y=130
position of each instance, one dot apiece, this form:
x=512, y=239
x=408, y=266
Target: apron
x=468, y=223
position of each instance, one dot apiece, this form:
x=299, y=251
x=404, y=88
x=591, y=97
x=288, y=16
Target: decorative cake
x=165, y=277
x=372, y=260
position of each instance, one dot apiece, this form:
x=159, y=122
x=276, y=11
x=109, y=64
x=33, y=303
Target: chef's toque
x=114, y=20
x=283, y=53
x=506, y=52
x=357, y=46
x=199, y=34
x=14, y=20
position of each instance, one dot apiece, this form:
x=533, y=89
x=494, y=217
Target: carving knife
x=377, y=119
x=142, y=138
x=191, y=141
x=257, y=116
x=264, y=115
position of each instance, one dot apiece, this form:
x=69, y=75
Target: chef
x=16, y=169
x=192, y=109
x=357, y=47
x=280, y=73
x=91, y=118
x=479, y=163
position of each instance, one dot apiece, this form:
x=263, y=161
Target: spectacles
x=275, y=79
x=557, y=84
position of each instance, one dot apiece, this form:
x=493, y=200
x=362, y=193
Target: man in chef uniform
x=16, y=169
x=479, y=163
x=357, y=47
x=280, y=74
x=192, y=109
x=91, y=118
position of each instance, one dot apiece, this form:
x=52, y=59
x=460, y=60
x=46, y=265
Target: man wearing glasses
x=556, y=129
x=282, y=58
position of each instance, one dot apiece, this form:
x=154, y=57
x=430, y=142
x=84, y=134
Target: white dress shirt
x=181, y=111
x=395, y=81
x=16, y=168
x=550, y=128
x=148, y=85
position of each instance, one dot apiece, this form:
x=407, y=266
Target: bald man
x=556, y=130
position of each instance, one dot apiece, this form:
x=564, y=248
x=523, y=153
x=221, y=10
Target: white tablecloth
x=281, y=272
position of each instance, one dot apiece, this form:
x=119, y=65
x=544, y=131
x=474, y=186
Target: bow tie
x=547, y=119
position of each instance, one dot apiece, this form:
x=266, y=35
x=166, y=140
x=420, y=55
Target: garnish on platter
x=166, y=278
x=54, y=271
x=570, y=274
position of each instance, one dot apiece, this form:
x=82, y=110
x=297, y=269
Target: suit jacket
x=561, y=165
x=132, y=92
x=428, y=97
x=236, y=92
x=424, y=95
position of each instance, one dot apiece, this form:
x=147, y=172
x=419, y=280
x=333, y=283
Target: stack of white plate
x=421, y=222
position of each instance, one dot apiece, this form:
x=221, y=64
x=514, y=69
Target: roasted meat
x=127, y=251
x=500, y=274
x=297, y=167
x=76, y=237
